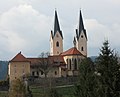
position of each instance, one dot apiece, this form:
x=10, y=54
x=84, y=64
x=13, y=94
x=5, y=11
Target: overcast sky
x=25, y=25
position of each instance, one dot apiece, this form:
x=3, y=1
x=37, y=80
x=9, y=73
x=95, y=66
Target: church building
x=61, y=63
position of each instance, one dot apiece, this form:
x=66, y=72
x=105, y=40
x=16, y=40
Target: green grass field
x=64, y=91
x=39, y=92
x=3, y=94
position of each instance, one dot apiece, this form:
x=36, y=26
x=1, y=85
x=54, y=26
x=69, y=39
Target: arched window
x=70, y=64
x=57, y=44
x=81, y=36
x=82, y=49
x=75, y=64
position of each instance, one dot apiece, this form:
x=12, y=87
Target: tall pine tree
x=108, y=68
x=87, y=80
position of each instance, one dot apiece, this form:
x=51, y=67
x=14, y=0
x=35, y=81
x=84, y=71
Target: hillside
x=3, y=69
x=93, y=58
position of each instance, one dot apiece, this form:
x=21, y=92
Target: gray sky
x=25, y=25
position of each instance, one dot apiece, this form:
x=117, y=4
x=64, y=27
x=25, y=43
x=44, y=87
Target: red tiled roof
x=19, y=58
x=56, y=58
x=35, y=60
x=72, y=51
x=53, y=60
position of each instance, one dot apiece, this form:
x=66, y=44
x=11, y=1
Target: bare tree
x=44, y=63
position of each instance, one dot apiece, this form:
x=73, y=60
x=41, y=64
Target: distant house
x=62, y=63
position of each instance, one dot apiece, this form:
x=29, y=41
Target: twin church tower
x=63, y=65
x=79, y=41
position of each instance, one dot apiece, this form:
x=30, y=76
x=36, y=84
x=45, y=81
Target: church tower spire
x=56, y=39
x=81, y=36
x=56, y=25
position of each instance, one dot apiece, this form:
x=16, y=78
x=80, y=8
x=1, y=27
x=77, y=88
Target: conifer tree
x=54, y=93
x=108, y=68
x=87, y=80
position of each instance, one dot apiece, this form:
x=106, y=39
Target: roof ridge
x=19, y=57
x=72, y=51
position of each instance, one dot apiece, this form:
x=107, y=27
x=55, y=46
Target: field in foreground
x=63, y=91
x=3, y=94
x=66, y=91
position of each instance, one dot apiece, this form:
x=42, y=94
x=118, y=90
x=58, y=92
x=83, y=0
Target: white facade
x=56, y=44
x=81, y=44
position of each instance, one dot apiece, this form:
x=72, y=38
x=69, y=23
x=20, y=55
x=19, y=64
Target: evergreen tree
x=87, y=80
x=108, y=68
x=54, y=93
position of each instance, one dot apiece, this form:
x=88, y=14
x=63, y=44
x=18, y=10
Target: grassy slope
x=3, y=94
x=38, y=91
x=65, y=91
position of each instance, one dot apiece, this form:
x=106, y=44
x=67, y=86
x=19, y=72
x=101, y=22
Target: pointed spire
x=56, y=25
x=81, y=25
x=74, y=42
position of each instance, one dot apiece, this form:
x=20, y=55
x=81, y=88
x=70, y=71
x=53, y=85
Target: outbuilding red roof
x=72, y=51
x=19, y=58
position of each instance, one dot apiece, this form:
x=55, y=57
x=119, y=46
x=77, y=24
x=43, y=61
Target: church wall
x=51, y=46
x=59, y=49
x=82, y=42
x=71, y=65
